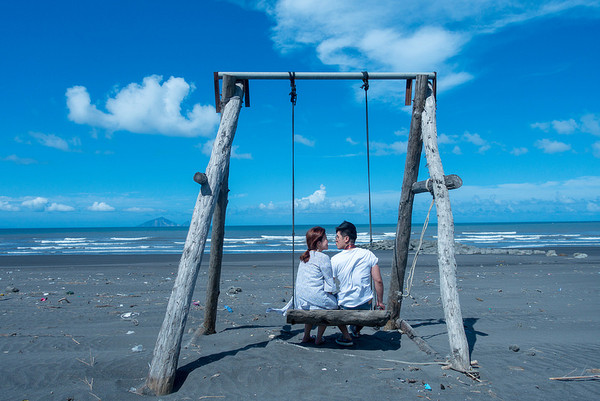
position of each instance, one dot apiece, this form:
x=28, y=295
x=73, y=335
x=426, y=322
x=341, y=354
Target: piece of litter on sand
x=228, y=309
x=138, y=348
x=130, y=332
x=427, y=386
x=129, y=315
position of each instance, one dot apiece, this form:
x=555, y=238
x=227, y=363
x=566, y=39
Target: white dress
x=314, y=284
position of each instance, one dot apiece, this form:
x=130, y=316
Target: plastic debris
x=228, y=309
x=129, y=315
x=138, y=348
x=427, y=386
x=43, y=299
x=130, y=332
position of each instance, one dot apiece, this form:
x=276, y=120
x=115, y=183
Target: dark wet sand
x=52, y=349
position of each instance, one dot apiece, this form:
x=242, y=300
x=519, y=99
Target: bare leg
x=307, y=338
x=320, y=332
x=345, y=333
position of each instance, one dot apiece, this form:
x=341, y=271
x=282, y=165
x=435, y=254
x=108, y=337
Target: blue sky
x=107, y=108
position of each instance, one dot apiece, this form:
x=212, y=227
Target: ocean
x=250, y=239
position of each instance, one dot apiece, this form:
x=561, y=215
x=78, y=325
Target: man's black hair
x=347, y=228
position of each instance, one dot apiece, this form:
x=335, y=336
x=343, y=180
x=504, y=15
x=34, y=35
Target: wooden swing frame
x=212, y=202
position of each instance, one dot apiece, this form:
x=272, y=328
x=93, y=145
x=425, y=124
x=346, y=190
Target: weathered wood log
x=338, y=317
x=451, y=181
x=161, y=375
x=403, y=227
x=412, y=334
x=459, y=348
x=216, y=257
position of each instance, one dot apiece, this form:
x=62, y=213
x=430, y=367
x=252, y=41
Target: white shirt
x=352, y=268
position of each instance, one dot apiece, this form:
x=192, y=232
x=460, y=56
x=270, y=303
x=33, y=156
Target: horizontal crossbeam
x=325, y=75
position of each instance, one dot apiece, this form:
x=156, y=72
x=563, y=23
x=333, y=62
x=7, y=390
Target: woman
x=314, y=282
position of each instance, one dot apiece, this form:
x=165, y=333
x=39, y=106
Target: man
x=354, y=268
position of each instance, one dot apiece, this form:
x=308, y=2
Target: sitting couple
x=353, y=268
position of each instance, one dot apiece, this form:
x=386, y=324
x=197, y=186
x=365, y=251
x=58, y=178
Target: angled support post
x=411, y=172
x=161, y=376
x=459, y=349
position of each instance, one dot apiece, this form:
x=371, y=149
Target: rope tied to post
x=365, y=86
x=293, y=95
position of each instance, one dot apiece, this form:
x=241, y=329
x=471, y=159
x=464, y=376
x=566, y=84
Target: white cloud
x=101, y=207
x=57, y=207
x=7, y=207
x=519, y=151
x=206, y=149
x=596, y=149
x=37, y=203
x=476, y=140
x=590, y=123
x=393, y=35
x=53, y=141
x=456, y=150
x=543, y=126
x=314, y=199
x=269, y=206
x=564, y=127
x=150, y=108
x=351, y=141
x=593, y=207
x=236, y=155
x=19, y=160
x=139, y=209
x=549, y=146
x=384, y=149
x=303, y=140
x=444, y=139
x=402, y=132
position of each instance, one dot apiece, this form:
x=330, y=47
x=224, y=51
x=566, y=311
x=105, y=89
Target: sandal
x=343, y=342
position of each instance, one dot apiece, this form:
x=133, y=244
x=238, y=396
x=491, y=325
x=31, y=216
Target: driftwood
x=338, y=317
x=403, y=227
x=161, y=375
x=459, y=348
x=412, y=334
x=591, y=377
x=451, y=181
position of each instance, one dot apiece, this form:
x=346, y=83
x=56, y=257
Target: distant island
x=159, y=222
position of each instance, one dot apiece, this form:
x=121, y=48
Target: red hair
x=313, y=236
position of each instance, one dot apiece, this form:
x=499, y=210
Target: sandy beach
x=84, y=328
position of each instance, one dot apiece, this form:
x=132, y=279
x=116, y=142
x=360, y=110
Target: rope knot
x=293, y=95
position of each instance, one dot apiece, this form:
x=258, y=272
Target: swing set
x=212, y=201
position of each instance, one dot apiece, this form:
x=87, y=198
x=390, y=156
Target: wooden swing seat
x=370, y=318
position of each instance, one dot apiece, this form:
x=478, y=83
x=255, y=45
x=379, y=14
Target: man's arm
x=376, y=276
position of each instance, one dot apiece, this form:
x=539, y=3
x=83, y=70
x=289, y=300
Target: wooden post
x=411, y=172
x=216, y=257
x=446, y=257
x=161, y=375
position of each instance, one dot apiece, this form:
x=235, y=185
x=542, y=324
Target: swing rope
x=411, y=273
x=365, y=86
x=293, y=97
